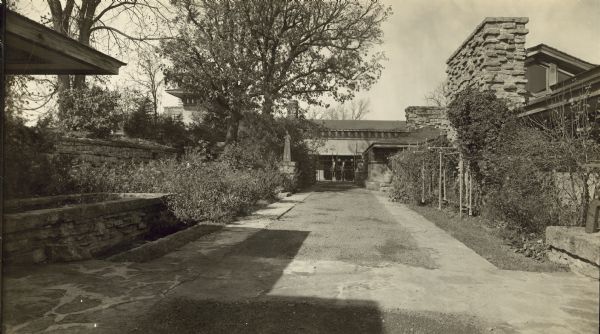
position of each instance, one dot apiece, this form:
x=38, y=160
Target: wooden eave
x=32, y=48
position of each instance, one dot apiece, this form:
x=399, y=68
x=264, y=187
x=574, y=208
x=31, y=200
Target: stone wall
x=80, y=231
x=574, y=247
x=492, y=58
x=418, y=117
x=98, y=150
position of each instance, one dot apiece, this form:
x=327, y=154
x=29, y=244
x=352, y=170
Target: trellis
x=465, y=178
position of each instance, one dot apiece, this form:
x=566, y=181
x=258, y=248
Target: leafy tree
x=244, y=55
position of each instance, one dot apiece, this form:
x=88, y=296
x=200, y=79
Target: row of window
x=360, y=134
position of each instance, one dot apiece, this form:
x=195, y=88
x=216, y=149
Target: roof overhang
x=565, y=61
x=32, y=48
x=586, y=85
x=180, y=93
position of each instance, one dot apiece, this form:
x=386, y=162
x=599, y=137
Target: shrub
x=29, y=170
x=200, y=190
x=479, y=119
x=166, y=130
x=92, y=109
x=409, y=167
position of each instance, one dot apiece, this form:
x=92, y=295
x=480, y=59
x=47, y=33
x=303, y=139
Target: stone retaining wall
x=492, y=57
x=98, y=150
x=418, y=117
x=78, y=231
x=574, y=247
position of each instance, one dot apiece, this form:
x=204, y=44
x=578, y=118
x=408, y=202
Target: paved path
x=342, y=260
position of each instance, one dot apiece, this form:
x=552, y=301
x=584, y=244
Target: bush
x=93, y=110
x=407, y=168
x=29, y=170
x=479, y=119
x=166, y=130
x=200, y=190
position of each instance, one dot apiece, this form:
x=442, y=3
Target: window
x=536, y=78
x=562, y=76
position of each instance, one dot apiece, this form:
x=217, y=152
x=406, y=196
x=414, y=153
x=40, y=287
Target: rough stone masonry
x=492, y=58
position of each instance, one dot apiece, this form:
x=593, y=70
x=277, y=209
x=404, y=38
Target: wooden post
x=440, y=184
x=470, y=192
x=423, y=182
x=445, y=198
x=460, y=185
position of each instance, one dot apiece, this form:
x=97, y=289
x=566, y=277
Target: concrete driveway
x=342, y=260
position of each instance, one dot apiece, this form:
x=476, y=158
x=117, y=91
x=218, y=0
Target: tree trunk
x=585, y=199
x=233, y=124
x=267, y=107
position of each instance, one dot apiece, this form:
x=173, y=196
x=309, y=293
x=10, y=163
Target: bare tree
x=354, y=110
x=439, y=96
x=150, y=77
x=109, y=24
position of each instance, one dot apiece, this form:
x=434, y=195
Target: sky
x=421, y=35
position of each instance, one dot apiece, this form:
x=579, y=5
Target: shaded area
x=71, y=296
x=333, y=186
x=276, y=314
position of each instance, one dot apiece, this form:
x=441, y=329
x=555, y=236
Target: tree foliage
x=479, y=118
x=244, y=55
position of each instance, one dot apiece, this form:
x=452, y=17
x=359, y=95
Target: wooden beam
x=60, y=54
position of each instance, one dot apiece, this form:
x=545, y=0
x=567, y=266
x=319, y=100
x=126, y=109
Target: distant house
x=359, y=149
x=189, y=108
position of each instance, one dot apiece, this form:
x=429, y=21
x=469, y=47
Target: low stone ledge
x=576, y=248
x=73, y=227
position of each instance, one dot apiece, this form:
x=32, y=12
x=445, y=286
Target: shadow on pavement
x=264, y=315
x=320, y=187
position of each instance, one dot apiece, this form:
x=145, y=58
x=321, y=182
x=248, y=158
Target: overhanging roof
x=565, y=60
x=32, y=48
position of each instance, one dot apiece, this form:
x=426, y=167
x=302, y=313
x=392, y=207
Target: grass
x=476, y=233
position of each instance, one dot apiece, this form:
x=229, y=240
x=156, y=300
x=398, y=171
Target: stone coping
x=118, y=143
x=576, y=242
x=503, y=19
x=33, y=219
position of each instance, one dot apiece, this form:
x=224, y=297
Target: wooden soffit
x=32, y=48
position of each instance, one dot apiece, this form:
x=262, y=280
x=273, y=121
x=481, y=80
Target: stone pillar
x=492, y=58
x=287, y=166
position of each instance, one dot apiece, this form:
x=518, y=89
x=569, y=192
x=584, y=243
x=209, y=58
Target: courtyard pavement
x=339, y=259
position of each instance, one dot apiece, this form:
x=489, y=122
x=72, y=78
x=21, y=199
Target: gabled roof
x=32, y=48
x=563, y=59
x=364, y=125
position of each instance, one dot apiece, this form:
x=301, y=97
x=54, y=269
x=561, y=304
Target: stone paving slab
x=339, y=251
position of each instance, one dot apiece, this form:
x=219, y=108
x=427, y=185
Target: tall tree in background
x=354, y=110
x=150, y=77
x=112, y=23
x=253, y=54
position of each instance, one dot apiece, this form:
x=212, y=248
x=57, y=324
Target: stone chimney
x=492, y=58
